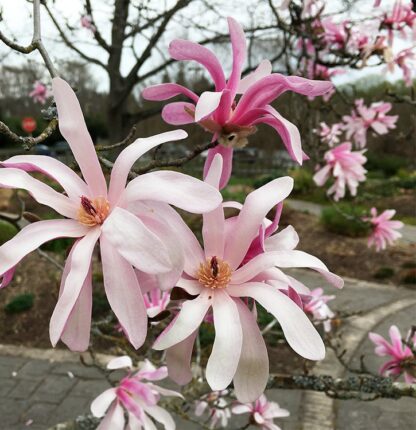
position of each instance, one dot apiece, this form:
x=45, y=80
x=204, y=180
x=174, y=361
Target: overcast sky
x=17, y=23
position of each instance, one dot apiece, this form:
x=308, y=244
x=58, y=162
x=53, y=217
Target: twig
x=177, y=162
x=127, y=140
x=29, y=142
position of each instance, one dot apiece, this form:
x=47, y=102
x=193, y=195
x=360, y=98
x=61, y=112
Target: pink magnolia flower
x=134, y=396
x=329, y=134
x=405, y=60
x=334, y=34
x=402, y=359
x=311, y=302
x=218, y=280
x=216, y=407
x=130, y=234
x=347, y=168
x=384, y=230
x=86, y=22
x=39, y=93
x=316, y=305
x=363, y=118
x=156, y=301
x=400, y=18
x=231, y=122
x=262, y=412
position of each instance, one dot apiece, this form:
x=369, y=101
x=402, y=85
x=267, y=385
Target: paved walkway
x=39, y=389
x=408, y=231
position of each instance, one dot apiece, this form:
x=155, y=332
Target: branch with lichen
x=352, y=387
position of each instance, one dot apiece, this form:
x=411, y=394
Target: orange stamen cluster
x=93, y=212
x=214, y=273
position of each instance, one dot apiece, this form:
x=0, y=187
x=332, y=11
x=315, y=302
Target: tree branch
x=352, y=387
x=29, y=141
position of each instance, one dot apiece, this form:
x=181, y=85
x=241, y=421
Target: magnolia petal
x=123, y=293
x=167, y=91
x=302, y=259
x=73, y=185
x=161, y=228
x=227, y=160
x=42, y=193
x=136, y=243
x=238, y=42
x=174, y=188
x=162, y=416
x=193, y=252
x=322, y=175
x=178, y=360
x=100, y=405
x=262, y=70
x=128, y=157
x=34, y=235
x=7, y=277
x=188, y=320
x=223, y=361
x=288, y=132
x=123, y=362
x=80, y=265
x=213, y=222
x=285, y=239
x=207, y=103
x=114, y=420
x=186, y=50
x=179, y=113
x=299, y=332
x=191, y=286
x=267, y=89
x=257, y=205
x=252, y=373
x=73, y=128
x=76, y=334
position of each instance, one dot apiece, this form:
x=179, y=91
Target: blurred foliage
x=384, y=273
x=409, y=277
x=20, y=303
x=100, y=305
x=345, y=219
x=7, y=231
x=303, y=180
x=385, y=164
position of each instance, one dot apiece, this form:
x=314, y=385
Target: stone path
x=408, y=231
x=43, y=388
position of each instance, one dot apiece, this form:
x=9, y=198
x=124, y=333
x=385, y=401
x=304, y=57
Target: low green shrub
x=345, y=220
x=384, y=273
x=7, y=231
x=100, y=305
x=20, y=303
x=388, y=164
x=409, y=277
x=303, y=180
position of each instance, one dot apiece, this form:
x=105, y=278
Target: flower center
x=214, y=273
x=235, y=136
x=93, y=212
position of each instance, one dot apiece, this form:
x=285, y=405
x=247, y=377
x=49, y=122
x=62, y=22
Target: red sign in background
x=29, y=124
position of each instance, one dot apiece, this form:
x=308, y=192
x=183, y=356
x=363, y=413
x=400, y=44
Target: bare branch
x=36, y=43
x=97, y=35
x=29, y=141
x=126, y=141
x=69, y=43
